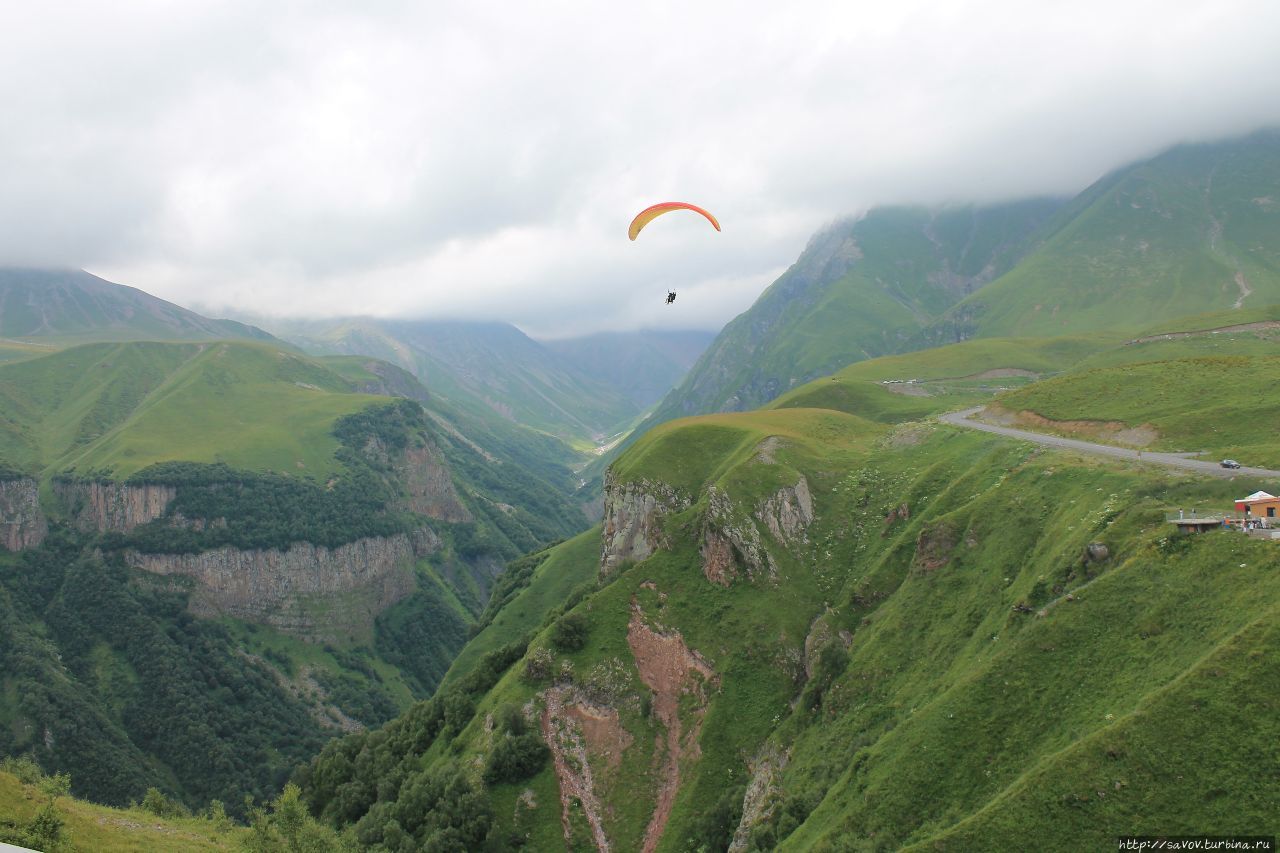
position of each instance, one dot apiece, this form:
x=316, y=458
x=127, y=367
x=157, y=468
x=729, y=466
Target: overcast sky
x=483, y=159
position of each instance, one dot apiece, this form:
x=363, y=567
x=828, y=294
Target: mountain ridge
x=74, y=306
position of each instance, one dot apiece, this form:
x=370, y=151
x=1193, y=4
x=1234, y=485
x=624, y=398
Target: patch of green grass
x=687, y=453
x=102, y=829
x=122, y=407
x=1205, y=323
x=1208, y=726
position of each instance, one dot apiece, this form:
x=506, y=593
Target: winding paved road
x=1168, y=460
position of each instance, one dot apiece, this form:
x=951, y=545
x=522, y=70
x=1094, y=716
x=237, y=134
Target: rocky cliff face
x=425, y=477
x=22, y=524
x=311, y=592
x=429, y=485
x=731, y=539
x=633, y=513
x=115, y=507
x=788, y=512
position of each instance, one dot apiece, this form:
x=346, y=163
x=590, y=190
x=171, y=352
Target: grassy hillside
x=859, y=290
x=1191, y=231
x=117, y=408
x=897, y=388
x=86, y=826
x=935, y=657
x=1227, y=405
x=66, y=307
x=36, y=812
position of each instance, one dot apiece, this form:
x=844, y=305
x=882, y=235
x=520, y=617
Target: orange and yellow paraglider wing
x=649, y=214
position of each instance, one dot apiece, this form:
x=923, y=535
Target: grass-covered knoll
x=936, y=657
x=1225, y=405
x=1193, y=230
x=117, y=408
x=688, y=453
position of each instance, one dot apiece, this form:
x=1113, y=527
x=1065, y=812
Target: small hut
x=1260, y=505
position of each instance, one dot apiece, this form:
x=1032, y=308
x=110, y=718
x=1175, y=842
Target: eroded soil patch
x=671, y=670
x=564, y=736
x=1109, y=432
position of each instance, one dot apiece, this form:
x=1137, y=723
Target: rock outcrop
x=1096, y=552
x=788, y=512
x=763, y=794
x=429, y=485
x=729, y=540
x=422, y=471
x=821, y=633
x=22, y=523
x=633, y=513
x=118, y=507
x=935, y=545
x=308, y=591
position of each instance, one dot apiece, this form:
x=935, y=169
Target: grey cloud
x=458, y=159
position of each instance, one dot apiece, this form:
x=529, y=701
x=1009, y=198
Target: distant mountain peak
x=64, y=305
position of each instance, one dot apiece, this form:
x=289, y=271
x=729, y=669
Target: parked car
x=1229, y=463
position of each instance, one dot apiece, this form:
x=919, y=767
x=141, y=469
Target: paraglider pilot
x=671, y=296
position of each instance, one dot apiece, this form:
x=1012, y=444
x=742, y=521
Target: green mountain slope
x=940, y=637
x=1189, y=232
x=255, y=547
x=859, y=290
x=72, y=306
x=1215, y=393
x=1193, y=230
x=117, y=408
x=485, y=368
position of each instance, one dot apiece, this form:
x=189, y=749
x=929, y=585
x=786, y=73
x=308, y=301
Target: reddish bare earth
x=606, y=738
x=670, y=669
x=564, y=736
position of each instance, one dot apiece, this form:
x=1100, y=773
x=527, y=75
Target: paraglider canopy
x=649, y=214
